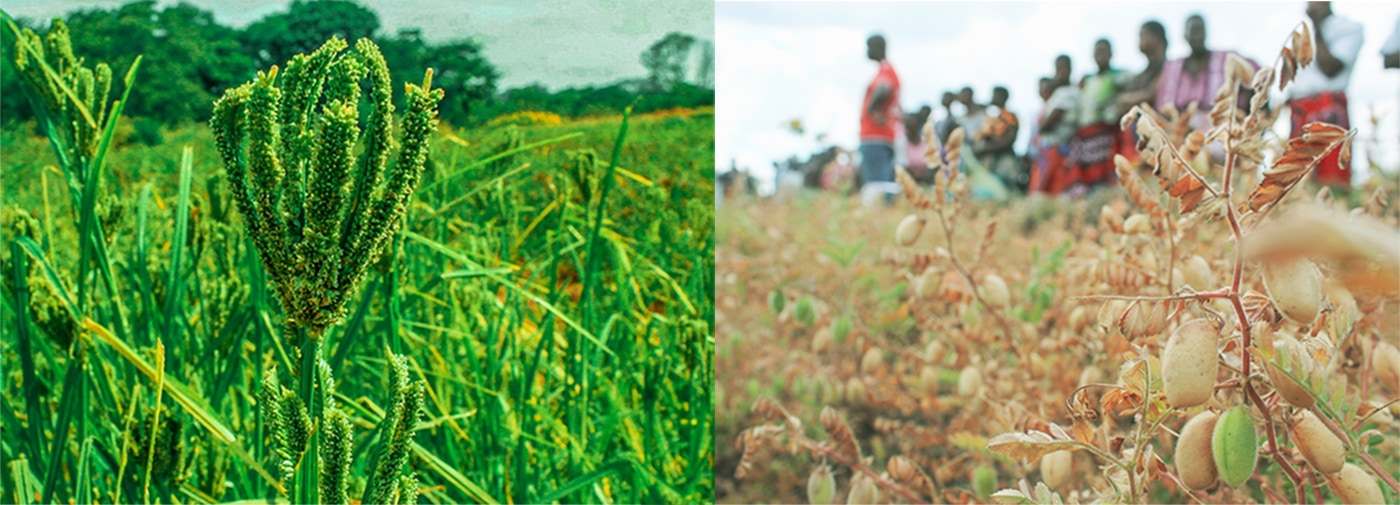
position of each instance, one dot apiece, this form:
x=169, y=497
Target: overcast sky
x=782, y=61
x=558, y=43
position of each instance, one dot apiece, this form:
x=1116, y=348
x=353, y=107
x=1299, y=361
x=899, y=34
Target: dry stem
x=953, y=258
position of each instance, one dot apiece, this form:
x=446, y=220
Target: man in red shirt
x=878, y=119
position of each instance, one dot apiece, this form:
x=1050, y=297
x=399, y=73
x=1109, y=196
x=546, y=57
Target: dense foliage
x=196, y=59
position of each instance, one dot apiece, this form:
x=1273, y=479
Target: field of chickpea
x=1171, y=339
x=819, y=309
x=537, y=329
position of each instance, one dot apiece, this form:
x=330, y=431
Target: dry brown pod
x=1319, y=445
x=856, y=393
x=909, y=230
x=928, y=380
x=1189, y=364
x=1385, y=362
x=1195, y=463
x=934, y=351
x=994, y=291
x=1196, y=273
x=863, y=491
x=821, y=341
x=1056, y=467
x=969, y=381
x=1137, y=224
x=927, y=284
x=1090, y=375
x=873, y=361
x=1296, y=289
x=1354, y=485
x=1288, y=352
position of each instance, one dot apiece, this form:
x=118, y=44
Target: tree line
x=189, y=59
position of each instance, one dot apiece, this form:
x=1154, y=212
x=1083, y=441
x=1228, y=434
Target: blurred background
x=791, y=77
x=490, y=56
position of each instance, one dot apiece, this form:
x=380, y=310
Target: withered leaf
x=1031, y=445
x=1303, y=153
x=1190, y=190
x=1288, y=69
x=1083, y=431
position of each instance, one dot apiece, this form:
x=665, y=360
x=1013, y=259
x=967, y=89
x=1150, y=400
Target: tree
x=705, y=68
x=188, y=58
x=463, y=72
x=666, y=59
x=306, y=25
x=459, y=68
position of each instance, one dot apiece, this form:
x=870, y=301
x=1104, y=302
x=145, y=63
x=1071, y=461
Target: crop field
x=1202, y=331
x=923, y=373
x=538, y=329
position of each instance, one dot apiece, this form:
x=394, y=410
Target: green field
x=132, y=367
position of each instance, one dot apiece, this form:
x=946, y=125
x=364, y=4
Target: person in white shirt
x=1318, y=94
x=1054, y=174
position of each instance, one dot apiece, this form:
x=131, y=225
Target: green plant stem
x=308, y=472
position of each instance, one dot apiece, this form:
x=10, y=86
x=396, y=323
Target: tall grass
x=556, y=304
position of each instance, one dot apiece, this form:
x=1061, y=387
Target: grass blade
x=70, y=405
x=583, y=481
x=449, y=252
x=498, y=156
x=195, y=407
x=175, y=283
x=33, y=404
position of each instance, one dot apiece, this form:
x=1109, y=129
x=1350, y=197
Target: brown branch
x=1243, y=319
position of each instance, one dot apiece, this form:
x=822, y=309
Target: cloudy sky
x=782, y=61
x=558, y=43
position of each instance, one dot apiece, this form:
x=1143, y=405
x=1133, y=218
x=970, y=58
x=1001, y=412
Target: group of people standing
x=1076, y=135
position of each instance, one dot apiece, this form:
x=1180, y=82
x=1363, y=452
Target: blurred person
x=1141, y=87
x=944, y=127
x=879, y=122
x=1032, y=156
x=973, y=113
x=1197, y=77
x=996, y=139
x=1318, y=93
x=914, y=145
x=1054, y=173
x=1091, y=151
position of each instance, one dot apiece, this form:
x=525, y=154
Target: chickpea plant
x=1251, y=376
x=1264, y=365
